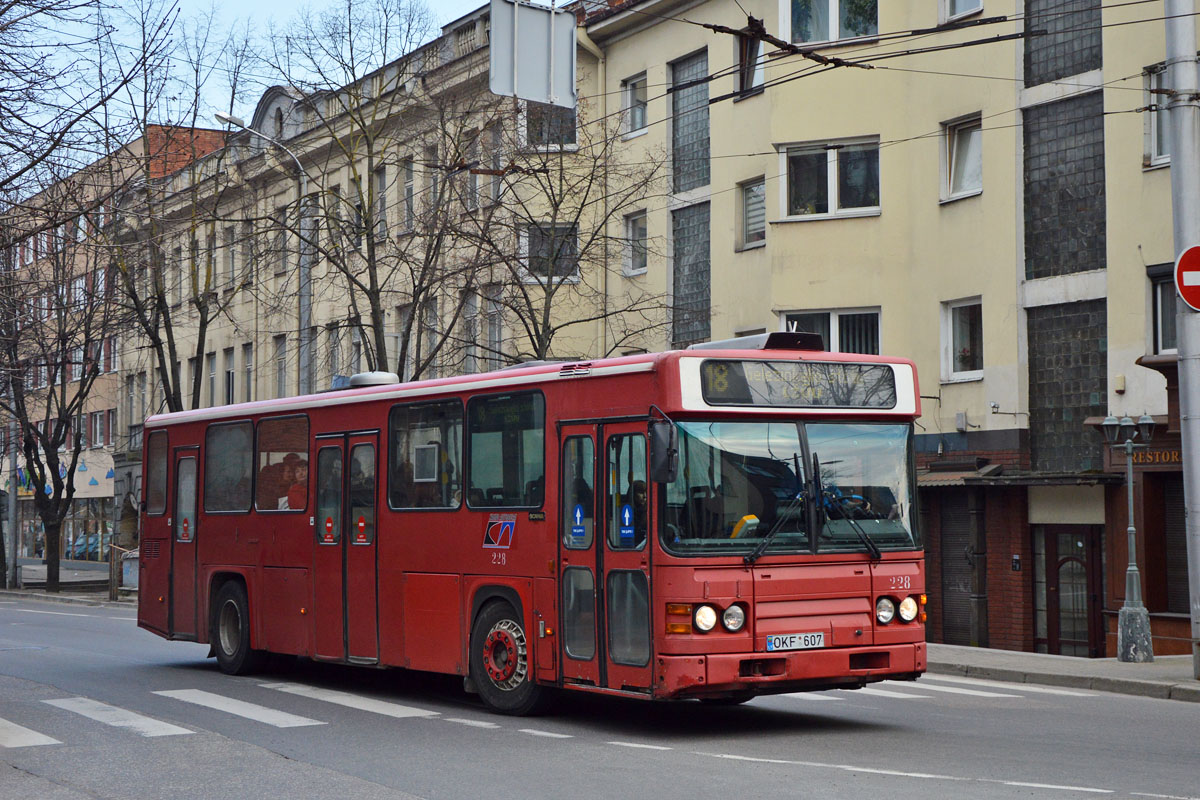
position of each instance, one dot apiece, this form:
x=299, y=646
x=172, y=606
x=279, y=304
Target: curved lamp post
x=1134, y=642
x=305, y=282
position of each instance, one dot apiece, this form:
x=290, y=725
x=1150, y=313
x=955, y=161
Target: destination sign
x=797, y=384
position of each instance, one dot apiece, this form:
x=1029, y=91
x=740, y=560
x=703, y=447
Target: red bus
x=711, y=523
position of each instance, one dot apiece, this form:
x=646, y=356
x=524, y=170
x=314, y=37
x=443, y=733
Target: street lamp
x=1133, y=624
x=305, y=287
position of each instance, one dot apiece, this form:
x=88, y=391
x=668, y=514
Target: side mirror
x=664, y=451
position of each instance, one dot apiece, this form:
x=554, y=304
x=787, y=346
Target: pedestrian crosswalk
x=928, y=689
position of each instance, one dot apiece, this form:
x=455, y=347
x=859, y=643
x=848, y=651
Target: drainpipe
x=585, y=41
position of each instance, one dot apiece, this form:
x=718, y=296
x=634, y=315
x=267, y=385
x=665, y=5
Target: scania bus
x=712, y=523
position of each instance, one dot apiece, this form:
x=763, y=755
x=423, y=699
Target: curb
x=1163, y=690
x=68, y=599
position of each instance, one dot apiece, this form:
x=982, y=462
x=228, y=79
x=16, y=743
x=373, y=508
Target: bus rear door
x=183, y=545
x=345, y=570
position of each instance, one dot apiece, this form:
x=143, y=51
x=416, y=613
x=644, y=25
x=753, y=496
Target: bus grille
x=150, y=548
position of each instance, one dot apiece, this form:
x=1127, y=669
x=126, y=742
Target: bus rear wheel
x=499, y=662
x=229, y=631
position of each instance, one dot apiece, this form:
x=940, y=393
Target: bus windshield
x=742, y=482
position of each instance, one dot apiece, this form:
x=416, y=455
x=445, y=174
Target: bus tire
x=499, y=662
x=230, y=631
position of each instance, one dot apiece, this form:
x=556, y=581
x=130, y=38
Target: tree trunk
x=53, y=545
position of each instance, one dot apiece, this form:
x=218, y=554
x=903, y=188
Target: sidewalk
x=1167, y=677
x=86, y=586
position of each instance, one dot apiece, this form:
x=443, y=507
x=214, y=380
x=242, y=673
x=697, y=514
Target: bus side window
x=282, y=480
x=228, y=457
x=506, y=441
x=425, y=469
x=579, y=503
x=156, y=473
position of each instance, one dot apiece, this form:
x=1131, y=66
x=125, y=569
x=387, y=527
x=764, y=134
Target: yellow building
x=966, y=183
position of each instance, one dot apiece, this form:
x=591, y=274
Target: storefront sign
x=1158, y=457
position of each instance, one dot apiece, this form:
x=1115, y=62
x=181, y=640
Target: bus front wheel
x=230, y=630
x=500, y=664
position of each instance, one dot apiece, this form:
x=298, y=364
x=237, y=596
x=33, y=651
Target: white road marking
x=55, y=613
x=117, y=717
x=472, y=723
x=1165, y=796
x=240, y=708
x=903, y=774
x=13, y=735
x=887, y=693
x=1020, y=687
x=547, y=734
x=1089, y=789
x=125, y=619
x=959, y=690
x=351, y=700
x=640, y=746
x=810, y=696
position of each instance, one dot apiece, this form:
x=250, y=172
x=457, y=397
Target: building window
x=96, y=428
x=1158, y=122
x=470, y=332
x=549, y=125
x=210, y=361
x=494, y=312
x=830, y=20
x=689, y=123
x=962, y=337
x=636, y=236
x=962, y=158
x=552, y=252
x=497, y=164
x=281, y=244
x=853, y=331
x=248, y=370
x=953, y=9
x=752, y=63
x=754, y=212
x=230, y=376
x=826, y=180
x=230, y=238
x=691, y=275
x=1164, y=315
x=281, y=386
x=432, y=175
x=470, y=176
x=633, y=92
x=410, y=210
x=380, y=205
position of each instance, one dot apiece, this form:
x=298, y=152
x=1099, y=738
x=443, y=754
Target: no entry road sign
x=1187, y=277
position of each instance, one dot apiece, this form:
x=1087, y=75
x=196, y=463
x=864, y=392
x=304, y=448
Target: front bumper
x=678, y=677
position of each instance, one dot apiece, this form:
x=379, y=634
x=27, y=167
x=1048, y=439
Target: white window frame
x=230, y=237
x=950, y=132
x=1156, y=297
x=627, y=105
x=835, y=315
x=945, y=15
x=408, y=197
x=743, y=242
x=523, y=253
x=630, y=248
x=1154, y=78
x=785, y=16
x=949, y=375
x=379, y=220
x=831, y=149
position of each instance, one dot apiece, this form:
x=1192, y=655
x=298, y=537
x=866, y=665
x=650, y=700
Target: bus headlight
x=705, y=618
x=734, y=618
x=885, y=609
x=908, y=609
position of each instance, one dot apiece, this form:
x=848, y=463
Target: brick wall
x=1064, y=187
x=1063, y=37
x=1068, y=375
x=172, y=147
x=1010, y=594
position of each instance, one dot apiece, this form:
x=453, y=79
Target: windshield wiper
x=796, y=500
x=872, y=548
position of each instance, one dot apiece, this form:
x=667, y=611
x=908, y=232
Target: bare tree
x=56, y=320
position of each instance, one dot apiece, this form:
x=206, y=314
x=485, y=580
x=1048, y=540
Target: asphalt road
x=91, y=706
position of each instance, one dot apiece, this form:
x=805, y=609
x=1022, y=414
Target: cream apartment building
x=977, y=185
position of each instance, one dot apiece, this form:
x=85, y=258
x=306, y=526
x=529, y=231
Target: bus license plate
x=795, y=641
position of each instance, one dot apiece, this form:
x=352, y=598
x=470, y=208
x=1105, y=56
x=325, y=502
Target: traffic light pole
x=1184, y=105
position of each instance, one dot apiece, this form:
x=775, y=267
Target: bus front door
x=183, y=546
x=604, y=577
x=344, y=570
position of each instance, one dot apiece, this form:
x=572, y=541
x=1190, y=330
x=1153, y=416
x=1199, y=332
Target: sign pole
x=1184, y=105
